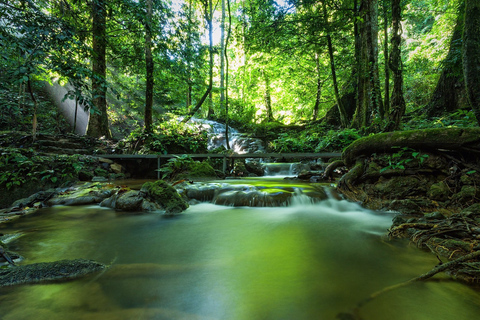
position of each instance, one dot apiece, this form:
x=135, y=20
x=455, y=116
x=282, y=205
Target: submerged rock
x=49, y=271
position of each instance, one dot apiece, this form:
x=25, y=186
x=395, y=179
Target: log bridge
x=225, y=157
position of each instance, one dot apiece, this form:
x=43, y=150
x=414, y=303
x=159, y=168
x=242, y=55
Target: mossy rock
x=165, y=195
x=439, y=191
x=49, y=272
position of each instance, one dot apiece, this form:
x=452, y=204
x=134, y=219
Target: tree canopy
x=131, y=62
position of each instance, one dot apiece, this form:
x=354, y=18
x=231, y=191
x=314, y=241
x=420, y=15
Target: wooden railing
x=225, y=157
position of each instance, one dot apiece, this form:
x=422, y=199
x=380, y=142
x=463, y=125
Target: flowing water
x=304, y=261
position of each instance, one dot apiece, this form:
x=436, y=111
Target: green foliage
x=460, y=118
x=400, y=159
x=21, y=166
x=184, y=167
x=337, y=139
x=170, y=136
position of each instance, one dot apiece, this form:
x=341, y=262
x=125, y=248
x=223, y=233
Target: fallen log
x=467, y=139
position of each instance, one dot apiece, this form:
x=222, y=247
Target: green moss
x=200, y=170
x=165, y=195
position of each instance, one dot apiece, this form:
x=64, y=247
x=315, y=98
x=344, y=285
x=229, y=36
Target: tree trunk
x=471, y=54
x=316, y=107
x=268, y=97
x=149, y=69
x=226, y=74
x=209, y=18
x=450, y=90
x=222, y=56
x=341, y=109
x=462, y=139
x=369, y=98
x=98, y=124
x=386, y=102
x=398, y=102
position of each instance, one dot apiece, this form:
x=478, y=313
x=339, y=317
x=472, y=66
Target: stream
x=302, y=261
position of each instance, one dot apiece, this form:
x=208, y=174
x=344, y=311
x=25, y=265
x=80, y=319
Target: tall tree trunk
x=209, y=19
x=222, y=56
x=386, y=102
x=149, y=69
x=397, y=109
x=267, y=97
x=471, y=54
x=316, y=107
x=98, y=123
x=449, y=92
x=369, y=97
x=226, y=74
x=341, y=109
x=189, y=68
x=35, y=107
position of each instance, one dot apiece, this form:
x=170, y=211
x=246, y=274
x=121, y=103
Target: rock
x=201, y=192
x=255, y=167
x=86, y=194
x=129, y=201
x=165, y=195
x=49, y=271
x=253, y=198
x=117, y=168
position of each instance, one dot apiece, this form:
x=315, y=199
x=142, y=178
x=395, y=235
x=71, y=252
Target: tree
x=397, y=108
x=369, y=100
x=341, y=108
x=449, y=92
x=149, y=68
x=207, y=4
x=98, y=124
x=471, y=54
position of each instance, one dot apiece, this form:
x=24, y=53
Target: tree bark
x=471, y=54
x=369, y=98
x=397, y=108
x=386, y=102
x=450, y=89
x=467, y=139
x=318, y=95
x=222, y=56
x=98, y=124
x=227, y=140
x=267, y=97
x=209, y=19
x=149, y=69
x=341, y=108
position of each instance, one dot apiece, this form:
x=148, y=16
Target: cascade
x=239, y=142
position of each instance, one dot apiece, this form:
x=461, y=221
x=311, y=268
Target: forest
x=372, y=102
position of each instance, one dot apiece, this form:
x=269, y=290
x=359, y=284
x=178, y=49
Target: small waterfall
x=285, y=169
x=239, y=142
x=299, y=199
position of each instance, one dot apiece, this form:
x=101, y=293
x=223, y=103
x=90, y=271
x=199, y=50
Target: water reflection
x=306, y=261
